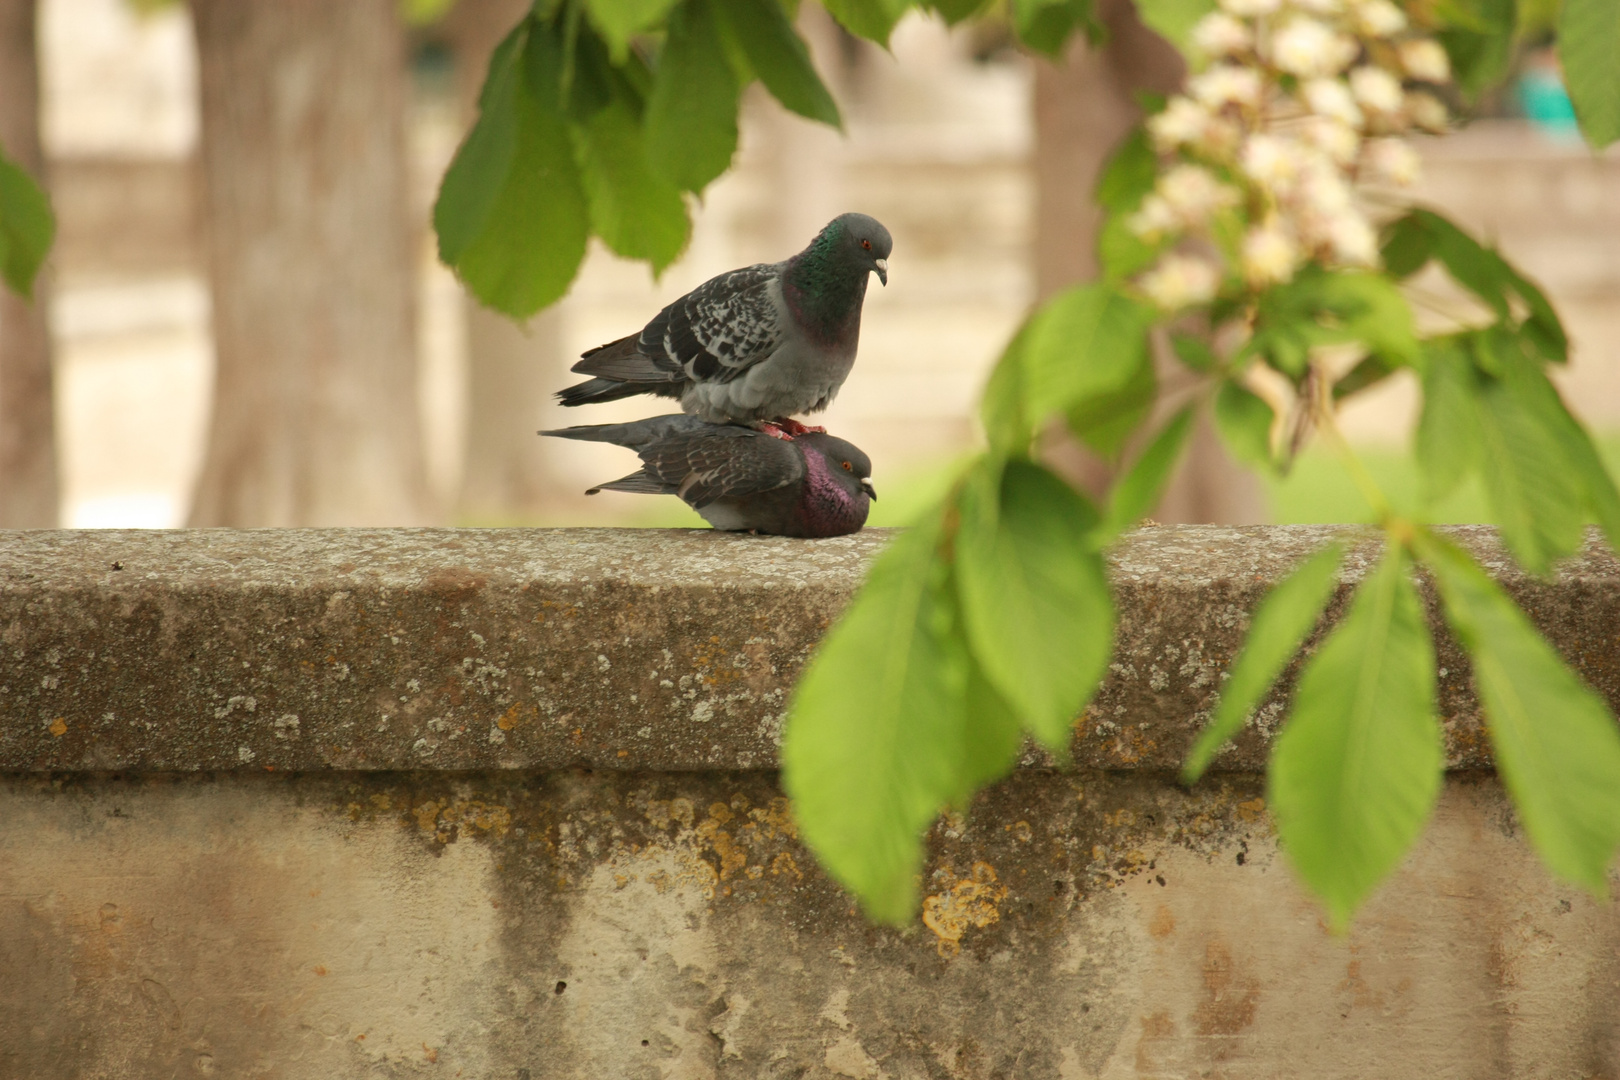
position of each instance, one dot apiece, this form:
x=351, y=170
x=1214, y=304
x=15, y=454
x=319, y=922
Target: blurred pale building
x=939, y=147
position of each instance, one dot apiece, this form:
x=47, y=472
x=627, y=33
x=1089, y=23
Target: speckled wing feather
x=721, y=328
x=723, y=463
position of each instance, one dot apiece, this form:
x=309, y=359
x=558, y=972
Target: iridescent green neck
x=825, y=287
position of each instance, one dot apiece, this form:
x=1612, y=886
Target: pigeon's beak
x=882, y=269
x=866, y=486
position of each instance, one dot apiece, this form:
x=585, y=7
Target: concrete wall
x=499, y=804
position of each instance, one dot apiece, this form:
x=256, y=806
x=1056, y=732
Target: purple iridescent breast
x=830, y=505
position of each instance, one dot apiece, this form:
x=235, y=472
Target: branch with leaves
x=27, y=227
x=1255, y=241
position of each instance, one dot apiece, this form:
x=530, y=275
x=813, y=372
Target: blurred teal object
x=1544, y=100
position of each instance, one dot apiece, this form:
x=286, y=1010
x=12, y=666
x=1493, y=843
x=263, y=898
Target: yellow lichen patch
x=731, y=855
x=775, y=820
x=969, y=901
x=1252, y=810
x=439, y=817
x=1121, y=817
x=58, y=727
x=784, y=864
x=514, y=716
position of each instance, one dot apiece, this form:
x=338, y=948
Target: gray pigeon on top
x=743, y=479
x=756, y=345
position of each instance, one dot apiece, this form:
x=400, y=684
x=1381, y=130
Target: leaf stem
x=1325, y=416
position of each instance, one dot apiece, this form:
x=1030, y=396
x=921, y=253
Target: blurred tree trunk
x=511, y=369
x=311, y=264
x=1084, y=108
x=28, y=485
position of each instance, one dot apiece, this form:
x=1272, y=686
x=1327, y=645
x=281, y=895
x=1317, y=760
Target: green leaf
x=1356, y=769
x=1530, y=389
x=1130, y=173
x=956, y=11
x=1321, y=308
x=1408, y=246
x=1140, y=489
x=1087, y=342
x=1106, y=421
x=1037, y=610
x=1280, y=625
x=1413, y=240
x=531, y=239
x=1121, y=253
x=479, y=171
x=779, y=58
x=691, y=122
x=620, y=20
x=635, y=211
x=1174, y=20
x=1243, y=421
x=1449, y=438
x=870, y=19
x=1480, y=57
x=1535, y=494
x=27, y=228
x=879, y=736
x=1047, y=25
x=1195, y=352
x=1554, y=740
x=1007, y=423
x=1588, y=45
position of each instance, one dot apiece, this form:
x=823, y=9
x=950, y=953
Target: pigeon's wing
x=637, y=483
x=721, y=328
x=723, y=463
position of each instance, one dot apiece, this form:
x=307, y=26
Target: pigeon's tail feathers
x=634, y=435
x=637, y=483
x=624, y=361
x=593, y=391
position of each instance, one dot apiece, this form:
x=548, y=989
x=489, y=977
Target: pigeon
x=742, y=479
x=756, y=345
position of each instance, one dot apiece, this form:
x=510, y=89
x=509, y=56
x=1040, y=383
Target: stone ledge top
x=467, y=649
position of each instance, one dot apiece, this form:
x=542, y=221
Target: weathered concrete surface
x=636, y=926
x=535, y=649
x=294, y=805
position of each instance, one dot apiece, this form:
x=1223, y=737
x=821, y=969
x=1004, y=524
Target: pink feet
x=784, y=428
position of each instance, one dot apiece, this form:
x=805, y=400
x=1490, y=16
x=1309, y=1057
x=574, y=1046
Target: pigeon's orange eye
x=847, y=467
x=867, y=244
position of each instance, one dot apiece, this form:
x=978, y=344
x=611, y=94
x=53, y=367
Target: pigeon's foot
x=766, y=427
x=793, y=427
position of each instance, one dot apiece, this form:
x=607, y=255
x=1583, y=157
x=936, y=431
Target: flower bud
x=1306, y=47
x=1180, y=281
x=1271, y=161
x=1376, y=89
x=1378, y=19
x=1219, y=34
x=1423, y=58
x=1180, y=123
x=1194, y=195
x=1333, y=138
x=1331, y=98
x=1270, y=255
x=1426, y=111
x=1353, y=241
x=1226, y=84
x=1153, y=218
x=1393, y=161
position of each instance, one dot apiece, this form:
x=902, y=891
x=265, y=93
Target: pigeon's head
x=861, y=242
x=847, y=464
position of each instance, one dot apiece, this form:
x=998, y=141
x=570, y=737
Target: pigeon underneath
x=756, y=345
x=742, y=479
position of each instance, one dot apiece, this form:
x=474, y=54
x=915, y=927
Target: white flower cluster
x=1301, y=101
